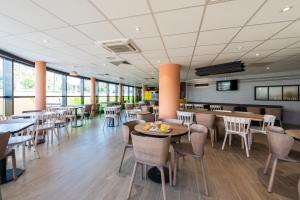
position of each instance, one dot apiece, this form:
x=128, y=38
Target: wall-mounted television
x=227, y=85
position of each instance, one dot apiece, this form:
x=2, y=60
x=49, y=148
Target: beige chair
x=147, y=117
x=6, y=152
x=275, y=129
x=194, y=149
x=187, y=118
x=153, y=152
x=215, y=107
x=276, y=112
x=280, y=146
x=208, y=120
x=145, y=108
x=61, y=122
x=231, y=108
x=255, y=110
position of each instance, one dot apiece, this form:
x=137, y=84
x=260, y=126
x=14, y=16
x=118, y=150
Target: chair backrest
x=237, y=125
x=171, y=121
x=186, y=117
x=145, y=108
x=207, y=120
x=269, y=120
x=280, y=145
x=231, y=108
x=198, y=142
x=274, y=111
x=255, y=110
x=4, y=138
x=155, y=109
x=128, y=106
x=198, y=128
x=215, y=107
x=147, y=117
x=151, y=150
x=275, y=129
x=128, y=127
x=88, y=108
x=109, y=111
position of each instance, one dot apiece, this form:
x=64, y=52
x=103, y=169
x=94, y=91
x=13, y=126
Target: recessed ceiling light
x=45, y=41
x=268, y=68
x=257, y=54
x=287, y=8
x=137, y=28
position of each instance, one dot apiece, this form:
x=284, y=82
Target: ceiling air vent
x=120, y=62
x=221, y=69
x=119, y=46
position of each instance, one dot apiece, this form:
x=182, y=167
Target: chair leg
x=175, y=168
x=211, y=137
x=170, y=174
x=230, y=139
x=271, y=181
x=14, y=164
x=224, y=142
x=204, y=176
x=267, y=163
x=163, y=183
x=124, y=151
x=246, y=146
x=35, y=149
x=23, y=156
x=67, y=131
x=131, y=180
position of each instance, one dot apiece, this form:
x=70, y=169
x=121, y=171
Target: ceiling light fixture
x=257, y=54
x=287, y=8
x=268, y=68
x=137, y=28
x=73, y=72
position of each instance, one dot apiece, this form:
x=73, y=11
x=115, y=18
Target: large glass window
x=24, y=87
x=73, y=91
x=112, y=92
x=125, y=94
x=54, y=89
x=131, y=95
x=87, y=91
x=102, y=94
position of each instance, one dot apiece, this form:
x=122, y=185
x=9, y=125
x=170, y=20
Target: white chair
x=187, y=118
x=269, y=120
x=61, y=122
x=215, y=107
x=156, y=112
x=71, y=115
x=237, y=126
x=198, y=106
x=110, y=113
x=45, y=124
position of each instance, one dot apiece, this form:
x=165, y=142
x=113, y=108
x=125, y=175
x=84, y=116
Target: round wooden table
x=295, y=133
x=177, y=130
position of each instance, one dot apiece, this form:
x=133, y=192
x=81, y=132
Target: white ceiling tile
x=118, y=9
x=287, y=52
x=216, y=36
x=70, y=36
x=158, y=60
x=229, y=56
x=130, y=56
x=100, y=31
x=271, y=12
x=258, y=54
x=241, y=46
x=128, y=26
x=148, y=44
x=11, y=26
x=78, y=12
x=180, y=52
x=3, y=34
x=277, y=43
x=209, y=49
x=179, y=21
x=292, y=30
x=296, y=45
x=155, y=54
x=93, y=49
x=205, y=58
x=181, y=40
x=20, y=42
x=30, y=14
x=181, y=60
x=229, y=14
x=259, y=32
x=43, y=39
x=158, y=5
x=272, y=59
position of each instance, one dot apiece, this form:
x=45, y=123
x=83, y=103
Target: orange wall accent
x=40, y=85
x=144, y=89
x=120, y=93
x=93, y=90
x=169, y=90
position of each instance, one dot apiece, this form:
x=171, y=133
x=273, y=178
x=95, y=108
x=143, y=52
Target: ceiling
x=193, y=33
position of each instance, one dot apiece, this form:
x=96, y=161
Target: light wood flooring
x=84, y=167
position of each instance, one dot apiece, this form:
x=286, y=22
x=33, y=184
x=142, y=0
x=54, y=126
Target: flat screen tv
x=227, y=85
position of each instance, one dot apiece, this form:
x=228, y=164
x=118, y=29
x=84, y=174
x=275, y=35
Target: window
x=131, y=95
x=102, y=94
x=54, y=89
x=87, y=91
x=24, y=87
x=125, y=94
x=73, y=91
x=112, y=92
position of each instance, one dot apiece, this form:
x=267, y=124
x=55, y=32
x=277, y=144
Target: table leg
x=23, y=156
x=7, y=175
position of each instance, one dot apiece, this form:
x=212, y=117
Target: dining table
x=295, y=133
x=13, y=126
x=175, y=130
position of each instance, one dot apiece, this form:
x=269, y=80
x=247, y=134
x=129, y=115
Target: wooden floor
x=85, y=167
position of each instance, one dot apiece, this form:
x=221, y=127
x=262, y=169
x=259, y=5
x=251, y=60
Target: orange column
x=169, y=90
x=40, y=85
x=120, y=93
x=93, y=90
x=144, y=89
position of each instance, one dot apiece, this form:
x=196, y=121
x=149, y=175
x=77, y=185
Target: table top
x=252, y=116
x=30, y=114
x=15, y=125
x=295, y=133
x=177, y=130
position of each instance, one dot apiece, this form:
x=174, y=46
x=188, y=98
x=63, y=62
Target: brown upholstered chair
x=127, y=128
x=147, y=117
x=153, y=152
x=5, y=151
x=280, y=146
x=276, y=112
x=230, y=108
x=194, y=149
x=208, y=120
x=253, y=109
x=275, y=129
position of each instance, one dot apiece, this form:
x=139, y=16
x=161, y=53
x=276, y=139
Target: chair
x=110, y=113
x=61, y=122
x=237, y=126
x=145, y=108
x=231, y=108
x=194, y=149
x=215, y=107
x=151, y=151
x=208, y=120
x=44, y=124
x=128, y=106
x=187, y=118
x=6, y=152
x=280, y=146
x=255, y=110
x=94, y=110
x=87, y=110
x=181, y=106
x=188, y=106
x=127, y=128
x=198, y=106
x=275, y=129
x=156, y=112
x=81, y=114
x=71, y=115
x=277, y=112
x=146, y=117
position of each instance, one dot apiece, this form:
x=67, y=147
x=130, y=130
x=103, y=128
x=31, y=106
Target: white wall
x=245, y=93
